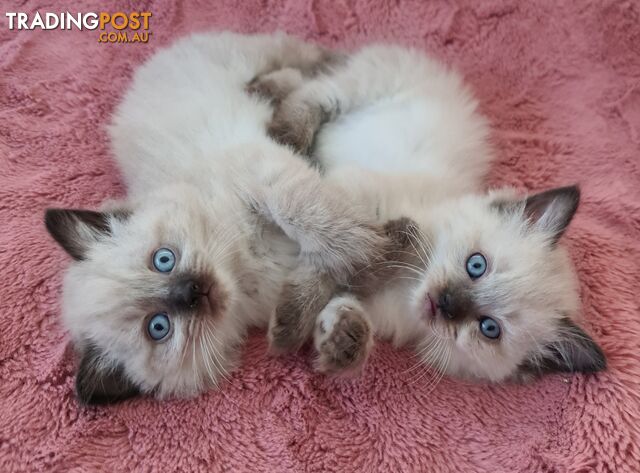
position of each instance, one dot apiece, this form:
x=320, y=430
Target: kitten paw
x=275, y=86
x=343, y=338
x=295, y=125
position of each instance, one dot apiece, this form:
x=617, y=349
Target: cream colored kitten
x=476, y=281
x=165, y=284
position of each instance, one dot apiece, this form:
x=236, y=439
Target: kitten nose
x=445, y=304
x=186, y=293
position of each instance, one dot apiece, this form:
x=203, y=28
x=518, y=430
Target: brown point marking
x=101, y=382
x=300, y=303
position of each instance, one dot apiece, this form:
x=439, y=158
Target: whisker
x=420, y=354
x=424, y=256
x=217, y=354
x=207, y=359
x=187, y=342
x=403, y=263
x=419, y=273
x=426, y=360
x=404, y=277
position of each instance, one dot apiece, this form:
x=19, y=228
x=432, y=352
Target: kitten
x=476, y=281
x=165, y=284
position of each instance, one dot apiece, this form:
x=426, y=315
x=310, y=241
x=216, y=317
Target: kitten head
x=147, y=310
x=499, y=293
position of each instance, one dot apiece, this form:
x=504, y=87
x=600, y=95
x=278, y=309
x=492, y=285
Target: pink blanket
x=560, y=82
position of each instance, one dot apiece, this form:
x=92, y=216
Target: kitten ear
x=574, y=352
x=99, y=381
x=77, y=230
x=401, y=231
x=552, y=210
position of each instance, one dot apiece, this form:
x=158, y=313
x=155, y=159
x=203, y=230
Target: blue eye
x=476, y=265
x=164, y=260
x=159, y=326
x=489, y=328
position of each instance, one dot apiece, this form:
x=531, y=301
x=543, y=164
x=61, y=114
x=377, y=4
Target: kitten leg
x=299, y=62
x=276, y=85
x=335, y=236
x=308, y=58
x=296, y=121
x=298, y=117
x=342, y=336
x=301, y=300
x=308, y=292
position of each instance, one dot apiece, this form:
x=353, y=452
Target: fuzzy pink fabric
x=560, y=82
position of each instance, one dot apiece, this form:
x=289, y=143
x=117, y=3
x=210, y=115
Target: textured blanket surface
x=560, y=82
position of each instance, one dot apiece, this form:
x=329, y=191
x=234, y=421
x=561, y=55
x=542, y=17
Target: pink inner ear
x=534, y=211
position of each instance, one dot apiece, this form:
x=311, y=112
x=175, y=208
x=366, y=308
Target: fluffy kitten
x=165, y=284
x=477, y=281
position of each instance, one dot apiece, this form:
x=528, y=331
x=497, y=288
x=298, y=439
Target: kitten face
x=498, y=293
x=148, y=298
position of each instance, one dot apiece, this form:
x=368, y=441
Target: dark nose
x=445, y=304
x=186, y=293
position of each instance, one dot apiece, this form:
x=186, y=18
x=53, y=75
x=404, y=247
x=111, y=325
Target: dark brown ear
x=77, y=230
x=574, y=352
x=401, y=231
x=99, y=381
x=551, y=211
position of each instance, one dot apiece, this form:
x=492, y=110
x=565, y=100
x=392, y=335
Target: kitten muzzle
x=187, y=293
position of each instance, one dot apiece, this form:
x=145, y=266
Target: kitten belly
x=398, y=135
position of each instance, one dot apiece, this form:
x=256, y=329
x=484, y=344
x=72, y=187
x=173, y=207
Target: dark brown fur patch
x=275, y=86
x=296, y=124
x=565, y=199
x=300, y=302
x=402, y=241
x=457, y=304
x=64, y=225
x=574, y=352
x=100, y=382
x=400, y=232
